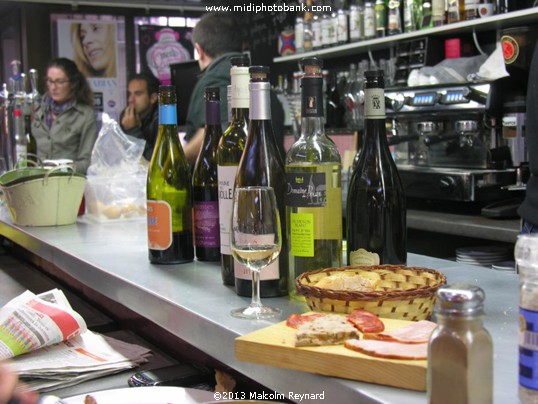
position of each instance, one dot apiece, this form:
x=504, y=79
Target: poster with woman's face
x=94, y=46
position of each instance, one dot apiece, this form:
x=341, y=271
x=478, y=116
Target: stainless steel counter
x=190, y=301
x=474, y=226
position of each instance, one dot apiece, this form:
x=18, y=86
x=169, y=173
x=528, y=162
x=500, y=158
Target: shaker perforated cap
x=460, y=300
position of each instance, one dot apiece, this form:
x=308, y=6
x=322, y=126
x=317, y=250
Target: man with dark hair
x=140, y=118
x=216, y=38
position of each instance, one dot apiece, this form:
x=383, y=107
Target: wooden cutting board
x=274, y=346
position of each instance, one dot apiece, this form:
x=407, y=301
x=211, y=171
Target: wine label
x=374, y=103
x=363, y=257
x=167, y=115
x=306, y=190
x=159, y=216
x=528, y=348
x=206, y=224
x=312, y=97
x=302, y=234
x=226, y=176
x=510, y=49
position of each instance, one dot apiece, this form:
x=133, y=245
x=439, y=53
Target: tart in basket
x=399, y=292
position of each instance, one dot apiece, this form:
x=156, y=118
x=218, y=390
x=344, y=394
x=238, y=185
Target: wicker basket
x=406, y=293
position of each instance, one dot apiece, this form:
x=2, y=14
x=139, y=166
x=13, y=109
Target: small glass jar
x=526, y=255
x=460, y=351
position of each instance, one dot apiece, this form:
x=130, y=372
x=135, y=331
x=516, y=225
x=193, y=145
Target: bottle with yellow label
x=376, y=205
x=314, y=190
x=169, y=190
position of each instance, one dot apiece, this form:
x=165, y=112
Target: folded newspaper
x=52, y=347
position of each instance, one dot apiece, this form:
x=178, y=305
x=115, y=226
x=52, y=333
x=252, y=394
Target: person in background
x=11, y=391
x=216, y=38
x=140, y=118
x=528, y=211
x=64, y=123
x=94, y=46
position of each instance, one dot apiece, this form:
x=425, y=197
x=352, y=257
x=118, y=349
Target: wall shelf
x=499, y=21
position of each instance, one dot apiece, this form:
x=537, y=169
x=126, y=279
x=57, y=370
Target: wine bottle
x=376, y=205
x=169, y=190
x=230, y=150
x=261, y=165
x=314, y=191
x=31, y=144
x=205, y=183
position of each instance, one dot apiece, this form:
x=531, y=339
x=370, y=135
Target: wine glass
x=255, y=241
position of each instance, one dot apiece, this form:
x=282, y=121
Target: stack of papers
x=51, y=346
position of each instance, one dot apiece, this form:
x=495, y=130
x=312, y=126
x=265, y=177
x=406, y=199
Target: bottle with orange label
x=169, y=190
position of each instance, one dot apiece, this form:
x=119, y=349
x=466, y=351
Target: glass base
x=256, y=312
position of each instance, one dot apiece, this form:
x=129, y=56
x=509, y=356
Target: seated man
x=140, y=118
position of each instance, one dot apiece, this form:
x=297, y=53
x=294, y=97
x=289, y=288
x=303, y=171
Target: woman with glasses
x=65, y=124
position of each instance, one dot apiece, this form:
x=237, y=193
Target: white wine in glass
x=255, y=240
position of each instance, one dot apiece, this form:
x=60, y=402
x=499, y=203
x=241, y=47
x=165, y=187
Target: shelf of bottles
x=494, y=22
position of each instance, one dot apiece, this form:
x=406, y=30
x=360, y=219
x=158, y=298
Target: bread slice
x=354, y=282
x=331, y=329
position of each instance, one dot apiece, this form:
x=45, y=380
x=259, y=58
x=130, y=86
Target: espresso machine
x=447, y=143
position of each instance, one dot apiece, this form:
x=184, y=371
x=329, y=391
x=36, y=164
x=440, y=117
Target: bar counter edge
x=190, y=302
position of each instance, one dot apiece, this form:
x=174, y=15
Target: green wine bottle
x=229, y=152
x=376, y=204
x=314, y=191
x=261, y=165
x=169, y=190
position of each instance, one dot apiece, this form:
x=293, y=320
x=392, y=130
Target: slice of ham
x=295, y=320
x=365, y=321
x=415, y=333
x=389, y=350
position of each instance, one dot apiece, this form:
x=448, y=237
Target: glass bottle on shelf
x=313, y=175
x=356, y=19
x=394, y=18
x=326, y=25
x=410, y=24
x=316, y=32
x=427, y=20
x=438, y=13
x=299, y=34
x=470, y=9
x=369, y=20
x=380, y=9
x=342, y=34
x=455, y=10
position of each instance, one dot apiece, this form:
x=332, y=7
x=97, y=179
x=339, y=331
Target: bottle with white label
x=261, y=165
x=299, y=34
x=314, y=187
x=356, y=19
x=229, y=152
x=342, y=34
x=169, y=190
x=369, y=20
x=376, y=204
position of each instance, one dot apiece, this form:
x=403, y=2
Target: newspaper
x=50, y=345
x=29, y=322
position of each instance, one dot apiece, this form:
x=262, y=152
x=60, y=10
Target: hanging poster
x=97, y=45
x=161, y=47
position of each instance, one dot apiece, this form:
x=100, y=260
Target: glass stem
x=256, y=301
